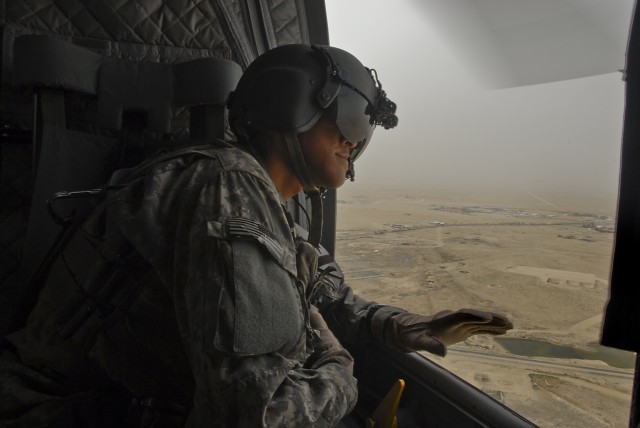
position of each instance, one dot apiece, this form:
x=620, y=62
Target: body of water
x=535, y=348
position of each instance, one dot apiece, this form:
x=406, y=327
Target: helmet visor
x=353, y=120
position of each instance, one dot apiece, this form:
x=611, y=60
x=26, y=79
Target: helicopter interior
x=58, y=56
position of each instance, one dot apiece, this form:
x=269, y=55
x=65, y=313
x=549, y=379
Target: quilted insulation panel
x=221, y=26
x=151, y=30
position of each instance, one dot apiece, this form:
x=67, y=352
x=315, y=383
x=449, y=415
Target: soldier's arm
x=356, y=321
x=269, y=390
x=352, y=319
x=216, y=241
x=247, y=350
x=242, y=318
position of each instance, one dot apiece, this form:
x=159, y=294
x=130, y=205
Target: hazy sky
x=455, y=130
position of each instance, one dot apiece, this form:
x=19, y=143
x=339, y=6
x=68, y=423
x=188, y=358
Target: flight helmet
x=287, y=89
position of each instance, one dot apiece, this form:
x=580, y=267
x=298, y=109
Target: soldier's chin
x=342, y=181
x=332, y=185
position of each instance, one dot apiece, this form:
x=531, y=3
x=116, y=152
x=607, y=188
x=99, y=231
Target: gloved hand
x=409, y=332
x=328, y=348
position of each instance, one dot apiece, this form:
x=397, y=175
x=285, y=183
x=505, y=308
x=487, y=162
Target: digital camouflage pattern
x=184, y=289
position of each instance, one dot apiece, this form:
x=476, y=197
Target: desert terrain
x=541, y=258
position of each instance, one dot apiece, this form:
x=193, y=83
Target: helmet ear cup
x=281, y=99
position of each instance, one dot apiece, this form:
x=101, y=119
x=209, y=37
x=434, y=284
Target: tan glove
x=328, y=348
x=409, y=332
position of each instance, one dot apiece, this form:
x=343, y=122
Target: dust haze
x=455, y=130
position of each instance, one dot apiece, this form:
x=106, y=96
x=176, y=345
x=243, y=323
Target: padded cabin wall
x=169, y=31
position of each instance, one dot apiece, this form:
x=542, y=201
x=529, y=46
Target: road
x=628, y=374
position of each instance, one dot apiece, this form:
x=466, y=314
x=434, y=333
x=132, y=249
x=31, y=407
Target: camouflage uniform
x=215, y=334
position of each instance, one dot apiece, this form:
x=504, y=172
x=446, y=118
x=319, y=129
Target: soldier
x=190, y=296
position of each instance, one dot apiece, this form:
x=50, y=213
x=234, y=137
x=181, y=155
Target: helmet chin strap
x=310, y=189
x=351, y=172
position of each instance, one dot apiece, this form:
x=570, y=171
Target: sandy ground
x=540, y=258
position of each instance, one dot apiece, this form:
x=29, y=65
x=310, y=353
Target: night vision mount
x=385, y=114
x=380, y=108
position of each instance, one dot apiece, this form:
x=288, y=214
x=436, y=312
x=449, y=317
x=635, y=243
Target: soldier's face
x=326, y=153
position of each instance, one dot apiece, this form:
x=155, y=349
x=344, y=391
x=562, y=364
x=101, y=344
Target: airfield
x=541, y=258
